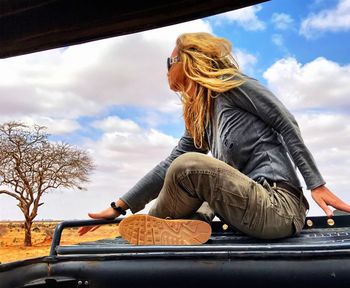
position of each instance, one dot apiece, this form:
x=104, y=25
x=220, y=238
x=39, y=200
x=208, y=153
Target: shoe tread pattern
x=142, y=229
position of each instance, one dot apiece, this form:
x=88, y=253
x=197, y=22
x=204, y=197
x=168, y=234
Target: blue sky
x=259, y=42
x=111, y=98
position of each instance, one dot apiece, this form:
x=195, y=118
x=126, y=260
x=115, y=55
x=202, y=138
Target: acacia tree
x=30, y=166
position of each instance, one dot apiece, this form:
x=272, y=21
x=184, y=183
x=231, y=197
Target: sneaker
x=140, y=229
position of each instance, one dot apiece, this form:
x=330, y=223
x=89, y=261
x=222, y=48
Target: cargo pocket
x=230, y=206
x=253, y=214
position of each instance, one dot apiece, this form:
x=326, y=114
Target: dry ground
x=12, y=236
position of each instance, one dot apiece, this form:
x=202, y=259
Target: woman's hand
x=324, y=198
x=108, y=213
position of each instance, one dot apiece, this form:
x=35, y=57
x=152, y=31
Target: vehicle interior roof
x=28, y=26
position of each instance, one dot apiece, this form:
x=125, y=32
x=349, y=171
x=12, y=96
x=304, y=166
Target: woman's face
x=176, y=76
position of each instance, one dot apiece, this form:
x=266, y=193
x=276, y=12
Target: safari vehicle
x=319, y=257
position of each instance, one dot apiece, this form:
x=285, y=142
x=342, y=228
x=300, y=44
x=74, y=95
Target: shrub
x=3, y=231
x=36, y=229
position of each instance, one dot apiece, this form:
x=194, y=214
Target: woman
x=250, y=182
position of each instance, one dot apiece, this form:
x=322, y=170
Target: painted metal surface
x=319, y=256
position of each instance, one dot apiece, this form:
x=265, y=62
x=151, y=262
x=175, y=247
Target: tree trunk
x=28, y=232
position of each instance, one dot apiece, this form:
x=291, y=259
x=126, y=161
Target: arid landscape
x=12, y=236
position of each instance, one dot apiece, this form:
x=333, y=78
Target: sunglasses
x=171, y=61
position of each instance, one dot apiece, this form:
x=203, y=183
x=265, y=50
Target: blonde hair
x=210, y=69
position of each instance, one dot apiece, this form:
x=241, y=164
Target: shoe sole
x=142, y=229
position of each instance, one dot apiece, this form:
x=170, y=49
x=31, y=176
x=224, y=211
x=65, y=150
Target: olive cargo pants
x=256, y=210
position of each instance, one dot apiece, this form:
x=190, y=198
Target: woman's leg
x=238, y=200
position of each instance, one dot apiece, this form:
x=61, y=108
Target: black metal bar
x=218, y=229
x=322, y=221
x=317, y=222
x=75, y=223
x=298, y=248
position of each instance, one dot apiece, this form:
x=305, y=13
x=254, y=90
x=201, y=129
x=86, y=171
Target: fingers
x=320, y=199
x=95, y=228
x=324, y=197
x=84, y=230
x=109, y=214
x=341, y=205
x=325, y=208
x=336, y=202
x=95, y=215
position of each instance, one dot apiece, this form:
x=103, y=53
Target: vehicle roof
x=36, y=25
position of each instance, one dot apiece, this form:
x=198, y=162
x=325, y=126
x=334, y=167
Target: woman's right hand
x=108, y=213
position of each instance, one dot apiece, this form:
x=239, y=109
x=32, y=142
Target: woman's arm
x=148, y=187
x=256, y=99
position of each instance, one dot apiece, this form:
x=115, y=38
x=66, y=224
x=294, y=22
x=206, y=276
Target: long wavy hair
x=210, y=69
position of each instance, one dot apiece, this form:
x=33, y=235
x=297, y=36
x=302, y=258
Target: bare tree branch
x=10, y=194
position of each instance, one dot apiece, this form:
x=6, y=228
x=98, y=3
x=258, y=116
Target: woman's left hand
x=324, y=198
x=107, y=214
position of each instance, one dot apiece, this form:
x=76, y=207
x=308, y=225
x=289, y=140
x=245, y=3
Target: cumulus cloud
x=318, y=84
x=84, y=80
x=114, y=123
x=282, y=21
x=245, y=17
x=245, y=60
x=334, y=20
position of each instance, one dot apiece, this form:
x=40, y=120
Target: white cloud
x=54, y=126
x=319, y=84
x=282, y=21
x=334, y=20
x=334, y=127
x=246, y=61
x=84, y=80
x=245, y=17
x=277, y=39
x=115, y=124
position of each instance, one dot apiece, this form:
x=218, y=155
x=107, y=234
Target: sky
x=111, y=98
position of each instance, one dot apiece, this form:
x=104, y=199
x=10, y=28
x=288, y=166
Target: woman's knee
x=187, y=162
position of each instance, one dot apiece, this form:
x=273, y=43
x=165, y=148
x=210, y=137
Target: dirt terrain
x=12, y=236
